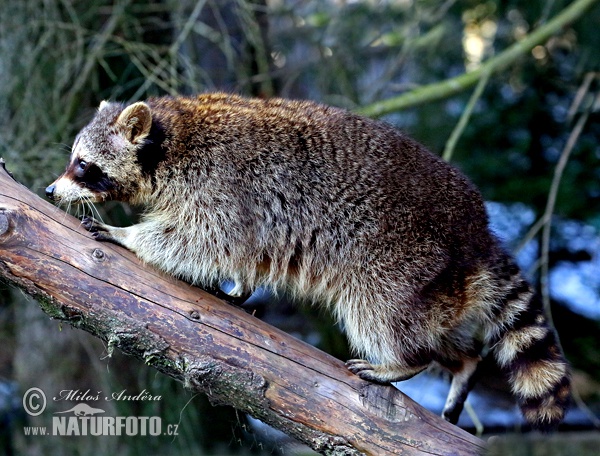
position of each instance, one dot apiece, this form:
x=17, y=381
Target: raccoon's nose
x=50, y=191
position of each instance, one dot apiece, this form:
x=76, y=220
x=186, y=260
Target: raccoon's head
x=104, y=161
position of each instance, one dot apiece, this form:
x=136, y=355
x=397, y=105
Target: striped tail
x=529, y=351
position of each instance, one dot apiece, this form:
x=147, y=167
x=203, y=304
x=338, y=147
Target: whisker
x=85, y=207
x=65, y=210
x=95, y=212
x=64, y=148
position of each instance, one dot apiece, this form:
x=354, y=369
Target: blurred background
x=527, y=133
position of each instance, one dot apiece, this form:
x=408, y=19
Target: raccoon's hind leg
x=462, y=381
x=382, y=373
x=237, y=298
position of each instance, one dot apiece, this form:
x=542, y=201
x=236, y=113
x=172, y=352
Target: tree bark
x=210, y=346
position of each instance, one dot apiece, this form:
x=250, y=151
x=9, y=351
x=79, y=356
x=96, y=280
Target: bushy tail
x=528, y=348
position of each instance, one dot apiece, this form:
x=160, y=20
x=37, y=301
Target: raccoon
x=332, y=207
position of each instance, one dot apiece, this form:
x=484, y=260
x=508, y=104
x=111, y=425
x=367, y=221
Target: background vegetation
x=527, y=134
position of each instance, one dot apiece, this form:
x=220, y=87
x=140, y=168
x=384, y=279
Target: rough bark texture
x=210, y=346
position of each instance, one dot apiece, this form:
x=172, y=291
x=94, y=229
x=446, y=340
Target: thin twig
x=543, y=220
x=465, y=116
x=584, y=408
x=476, y=421
x=252, y=28
x=173, y=49
x=581, y=93
x=94, y=53
x=533, y=231
x=551, y=203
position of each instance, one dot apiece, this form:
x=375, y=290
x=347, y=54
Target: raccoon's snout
x=50, y=191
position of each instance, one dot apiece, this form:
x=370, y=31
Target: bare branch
x=464, y=118
x=452, y=86
x=551, y=203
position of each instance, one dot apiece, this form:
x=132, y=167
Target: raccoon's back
x=311, y=153
x=292, y=177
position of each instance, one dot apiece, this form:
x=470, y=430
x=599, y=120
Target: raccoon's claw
x=100, y=232
x=358, y=365
x=235, y=300
x=92, y=225
x=102, y=237
x=382, y=373
x=364, y=370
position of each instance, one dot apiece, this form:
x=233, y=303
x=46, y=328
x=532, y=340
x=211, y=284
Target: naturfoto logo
x=83, y=419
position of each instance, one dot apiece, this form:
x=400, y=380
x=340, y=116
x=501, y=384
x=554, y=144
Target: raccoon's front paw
x=99, y=230
x=92, y=225
x=365, y=370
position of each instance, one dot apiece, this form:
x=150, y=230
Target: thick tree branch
x=210, y=346
x=452, y=86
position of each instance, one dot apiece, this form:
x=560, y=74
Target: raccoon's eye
x=80, y=168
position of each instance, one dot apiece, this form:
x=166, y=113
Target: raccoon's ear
x=103, y=104
x=135, y=122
